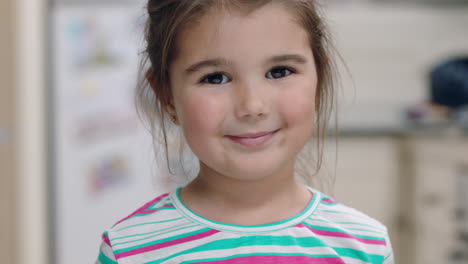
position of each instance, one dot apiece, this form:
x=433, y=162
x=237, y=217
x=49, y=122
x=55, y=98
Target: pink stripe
x=105, y=238
x=165, y=244
x=277, y=259
x=144, y=207
x=344, y=235
x=328, y=200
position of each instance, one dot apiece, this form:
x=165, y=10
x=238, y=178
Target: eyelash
x=204, y=79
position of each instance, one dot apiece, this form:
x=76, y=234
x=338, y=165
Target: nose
x=252, y=101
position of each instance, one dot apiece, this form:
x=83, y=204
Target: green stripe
x=330, y=204
x=153, y=235
x=357, y=254
x=253, y=228
x=163, y=240
x=104, y=259
x=342, y=231
x=149, y=223
x=305, y=242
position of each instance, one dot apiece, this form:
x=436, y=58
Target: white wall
x=389, y=50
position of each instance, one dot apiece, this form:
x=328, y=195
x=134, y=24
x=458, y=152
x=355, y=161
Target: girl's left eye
x=279, y=72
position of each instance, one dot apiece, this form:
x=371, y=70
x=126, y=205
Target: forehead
x=266, y=31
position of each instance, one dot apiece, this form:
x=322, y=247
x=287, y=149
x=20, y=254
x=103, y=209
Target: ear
x=170, y=110
x=149, y=76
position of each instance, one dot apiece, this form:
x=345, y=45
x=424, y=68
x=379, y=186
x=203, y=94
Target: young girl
x=245, y=81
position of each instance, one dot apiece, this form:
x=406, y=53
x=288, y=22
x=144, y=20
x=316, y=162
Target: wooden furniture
x=7, y=169
x=414, y=181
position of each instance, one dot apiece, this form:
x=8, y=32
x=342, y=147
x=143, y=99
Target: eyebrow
x=288, y=57
x=220, y=61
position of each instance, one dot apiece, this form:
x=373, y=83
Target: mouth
x=253, y=139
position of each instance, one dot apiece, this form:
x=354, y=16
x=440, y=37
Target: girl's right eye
x=216, y=78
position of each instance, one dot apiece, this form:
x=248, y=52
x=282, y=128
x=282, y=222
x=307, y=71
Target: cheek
x=202, y=115
x=297, y=104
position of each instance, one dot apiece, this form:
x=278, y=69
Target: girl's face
x=236, y=76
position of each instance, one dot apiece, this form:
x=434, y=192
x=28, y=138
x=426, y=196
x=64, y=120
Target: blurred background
x=74, y=157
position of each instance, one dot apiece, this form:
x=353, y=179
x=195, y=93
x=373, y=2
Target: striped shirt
x=166, y=231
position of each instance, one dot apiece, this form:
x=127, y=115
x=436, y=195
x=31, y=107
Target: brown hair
x=168, y=18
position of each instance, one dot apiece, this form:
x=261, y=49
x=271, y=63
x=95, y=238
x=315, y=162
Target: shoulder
x=334, y=211
x=151, y=208
x=340, y=224
x=155, y=216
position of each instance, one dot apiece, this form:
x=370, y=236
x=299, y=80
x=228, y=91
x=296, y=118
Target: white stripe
x=339, y=217
x=340, y=242
x=354, y=230
x=163, y=236
x=152, y=222
x=160, y=203
x=353, y=213
x=348, y=260
x=156, y=235
x=159, y=215
x=345, y=224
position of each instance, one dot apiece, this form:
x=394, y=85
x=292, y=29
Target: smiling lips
x=253, y=139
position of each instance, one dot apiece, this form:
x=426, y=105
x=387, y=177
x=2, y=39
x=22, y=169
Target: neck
x=240, y=194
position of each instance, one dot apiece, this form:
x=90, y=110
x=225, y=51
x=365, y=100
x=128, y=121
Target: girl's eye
x=216, y=78
x=279, y=72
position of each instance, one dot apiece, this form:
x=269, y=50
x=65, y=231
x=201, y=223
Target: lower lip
x=253, y=142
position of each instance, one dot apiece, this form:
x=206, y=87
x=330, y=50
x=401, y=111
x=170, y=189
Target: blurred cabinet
x=365, y=172
x=415, y=184
x=438, y=165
